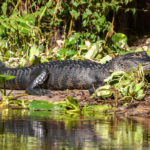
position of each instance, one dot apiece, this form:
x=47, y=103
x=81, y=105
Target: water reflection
x=24, y=130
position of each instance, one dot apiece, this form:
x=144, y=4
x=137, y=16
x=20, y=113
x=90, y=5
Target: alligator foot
x=38, y=91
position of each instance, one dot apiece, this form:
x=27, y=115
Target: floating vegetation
x=69, y=106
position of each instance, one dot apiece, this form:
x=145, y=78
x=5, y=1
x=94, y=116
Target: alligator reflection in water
x=21, y=130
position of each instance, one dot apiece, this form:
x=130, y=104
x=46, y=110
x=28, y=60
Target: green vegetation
x=69, y=106
x=42, y=30
x=124, y=86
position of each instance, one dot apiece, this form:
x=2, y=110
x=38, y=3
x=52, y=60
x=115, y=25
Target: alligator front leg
x=34, y=86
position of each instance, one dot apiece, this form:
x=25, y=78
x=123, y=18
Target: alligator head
x=128, y=61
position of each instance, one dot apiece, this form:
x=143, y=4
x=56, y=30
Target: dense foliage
x=123, y=86
x=33, y=31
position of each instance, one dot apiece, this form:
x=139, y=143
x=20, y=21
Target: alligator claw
x=44, y=91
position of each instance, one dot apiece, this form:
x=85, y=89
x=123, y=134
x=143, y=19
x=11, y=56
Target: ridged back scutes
x=74, y=63
x=54, y=64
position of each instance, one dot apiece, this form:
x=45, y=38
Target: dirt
x=53, y=96
x=141, y=109
x=82, y=95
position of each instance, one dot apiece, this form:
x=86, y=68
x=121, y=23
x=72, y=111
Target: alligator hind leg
x=36, y=82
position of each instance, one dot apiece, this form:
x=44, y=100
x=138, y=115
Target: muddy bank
x=141, y=109
x=82, y=95
x=137, y=108
x=53, y=96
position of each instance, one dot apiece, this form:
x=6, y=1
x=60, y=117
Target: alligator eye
x=137, y=55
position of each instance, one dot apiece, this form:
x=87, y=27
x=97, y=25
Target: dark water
x=25, y=130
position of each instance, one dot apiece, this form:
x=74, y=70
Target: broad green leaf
x=105, y=87
x=2, y=30
x=94, y=50
x=101, y=19
x=140, y=95
x=49, y=4
x=4, y=8
x=70, y=52
x=33, y=53
x=104, y=93
x=72, y=104
x=126, y=2
x=39, y=2
x=6, y=77
x=75, y=3
x=119, y=38
x=84, y=1
x=131, y=88
x=72, y=40
x=45, y=105
x=104, y=5
x=6, y=25
x=133, y=10
x=65, y=53
x=75, y=14
x=138, y=86
x=9, y=53
x=87, y=13
x=114, y=74
x=105, y=59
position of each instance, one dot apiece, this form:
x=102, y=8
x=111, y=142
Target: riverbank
x=136, y=108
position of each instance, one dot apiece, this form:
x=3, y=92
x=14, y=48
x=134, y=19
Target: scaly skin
x=69, y=74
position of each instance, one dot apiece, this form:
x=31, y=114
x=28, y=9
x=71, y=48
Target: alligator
x=69, y=74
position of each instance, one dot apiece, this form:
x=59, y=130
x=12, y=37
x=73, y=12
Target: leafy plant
x=119, y=41
x=41, y=23
x=46, y=106
x=69, y=105
x=124, y=85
